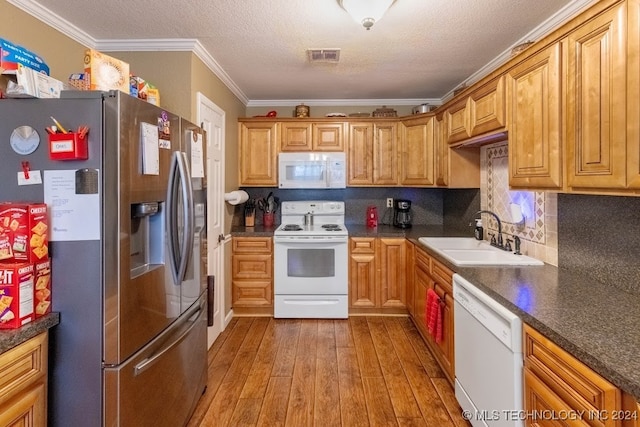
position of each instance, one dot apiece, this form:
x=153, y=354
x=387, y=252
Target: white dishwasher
x=488, y=358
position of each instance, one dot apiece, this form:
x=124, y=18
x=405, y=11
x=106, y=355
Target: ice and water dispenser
x=147, y=237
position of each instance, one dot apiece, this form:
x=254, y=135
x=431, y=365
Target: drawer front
x=252, y=245
x=23, y=365
x=362, y=245
x=252, y=293
x=251, y=266
x=442, y=274
x=571, y=380
x=423, y=261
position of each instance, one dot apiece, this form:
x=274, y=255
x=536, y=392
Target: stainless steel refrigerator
x=127, y=244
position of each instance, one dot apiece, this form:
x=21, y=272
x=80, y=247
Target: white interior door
x=212, y=119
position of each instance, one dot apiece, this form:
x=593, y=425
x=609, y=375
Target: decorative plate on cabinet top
x=336, y=115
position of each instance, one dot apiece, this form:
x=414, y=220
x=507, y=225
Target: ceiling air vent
x=323, y=55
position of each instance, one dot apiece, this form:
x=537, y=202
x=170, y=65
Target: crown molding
x=563, y=15
x=141, y=45
x=340, y=102
x=55, y=21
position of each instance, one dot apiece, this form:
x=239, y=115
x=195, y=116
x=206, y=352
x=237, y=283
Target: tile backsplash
x=538, y=231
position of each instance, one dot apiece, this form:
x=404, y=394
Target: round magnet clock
x=24, y=140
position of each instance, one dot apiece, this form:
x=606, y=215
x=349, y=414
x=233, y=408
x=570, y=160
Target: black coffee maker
x=402, y=213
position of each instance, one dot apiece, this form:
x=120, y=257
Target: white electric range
x=311, y=261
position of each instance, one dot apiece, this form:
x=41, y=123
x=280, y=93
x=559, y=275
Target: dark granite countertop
x=597, y=323
x=10, y=338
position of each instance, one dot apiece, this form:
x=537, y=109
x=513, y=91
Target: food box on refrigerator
x=42, y=291
x=16, y=295
x=104, y=72
x=11, y=55
x=23, y=232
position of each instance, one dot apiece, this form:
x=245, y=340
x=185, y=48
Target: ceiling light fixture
x=366, y=12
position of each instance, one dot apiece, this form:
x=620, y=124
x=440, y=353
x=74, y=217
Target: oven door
x=306, y=265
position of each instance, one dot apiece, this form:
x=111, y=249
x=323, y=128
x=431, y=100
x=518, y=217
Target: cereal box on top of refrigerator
x=16, y=295
x=23, y=232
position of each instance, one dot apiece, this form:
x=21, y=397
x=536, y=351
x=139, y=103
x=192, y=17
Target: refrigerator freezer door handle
x=171, y=219
x=149, y=361
x=189, y=216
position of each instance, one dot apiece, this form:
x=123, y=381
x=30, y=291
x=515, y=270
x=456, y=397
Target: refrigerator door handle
x=189, y=215
x=180, y=180
x=149, y=361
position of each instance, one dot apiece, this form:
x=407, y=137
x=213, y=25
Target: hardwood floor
x=363, y=371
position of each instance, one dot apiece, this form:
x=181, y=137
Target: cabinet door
x=385, y=154
x=417, y=152
x=456, y=119
x=534, y=103
x=421, y=283
x=328, y=136
x=27, y=408
x=362, y=272
x=258, y=153
x=596, y=111
x=445, y=346
x=295, y=136
x=486, y=108
x=360, y=154
x=539, y=399
x=393, y=255
x=633, y=95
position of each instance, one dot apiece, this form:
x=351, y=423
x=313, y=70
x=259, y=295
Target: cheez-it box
x=23, y=232
x=42, y=291
x=16, y=295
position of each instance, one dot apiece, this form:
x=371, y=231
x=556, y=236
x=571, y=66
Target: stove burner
x=292, y=227
x=331, y=227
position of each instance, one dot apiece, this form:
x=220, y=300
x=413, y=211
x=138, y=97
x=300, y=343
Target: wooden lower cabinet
x=377, y=279
x=558, y=383
x=429, y=273
x=252, y=275
x=23, y=384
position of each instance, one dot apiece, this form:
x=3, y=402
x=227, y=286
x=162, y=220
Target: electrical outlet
x=389, y=202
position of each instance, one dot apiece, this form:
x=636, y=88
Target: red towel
x=439, y=310
x=432, y=310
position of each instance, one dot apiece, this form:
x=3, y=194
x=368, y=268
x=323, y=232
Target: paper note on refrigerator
x=74, y=215
x=197, y=155
x=149, y=147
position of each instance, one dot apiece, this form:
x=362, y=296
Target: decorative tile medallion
x=499, y=199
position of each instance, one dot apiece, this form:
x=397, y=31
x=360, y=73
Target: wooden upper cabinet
x=258, y=151
x=373, y=154
x=456, y=119
x=596, y=107
x=417, y=152
x=487, y=112
x=534, y=109
x=633, y=94
x=441, y=165
x=385, y=154
x=310, y=136
x=295, y=136
x=327, y=136
x=360, y=154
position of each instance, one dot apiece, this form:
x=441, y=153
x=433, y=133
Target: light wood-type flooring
x=362, y=371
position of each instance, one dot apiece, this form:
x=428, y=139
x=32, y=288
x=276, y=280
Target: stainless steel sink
x=469, y=251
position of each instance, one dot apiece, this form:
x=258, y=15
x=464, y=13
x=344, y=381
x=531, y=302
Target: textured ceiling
x=421, y=49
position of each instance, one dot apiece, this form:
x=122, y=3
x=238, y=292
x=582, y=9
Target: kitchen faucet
x=499, y=243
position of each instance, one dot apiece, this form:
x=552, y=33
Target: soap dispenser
x=479, y=231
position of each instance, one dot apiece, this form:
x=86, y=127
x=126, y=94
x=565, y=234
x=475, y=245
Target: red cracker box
x=16, y=295
x=23, y=232
x=42, y=291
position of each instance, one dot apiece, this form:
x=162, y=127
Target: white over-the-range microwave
x=312, y=170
